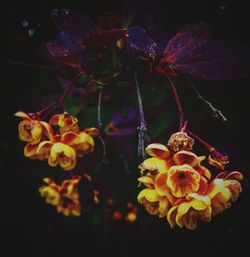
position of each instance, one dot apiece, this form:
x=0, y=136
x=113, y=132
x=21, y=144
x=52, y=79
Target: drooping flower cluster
x=65, y=196
x=180, y=188
x=60, y=147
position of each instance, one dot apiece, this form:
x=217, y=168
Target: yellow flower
x=183, y=180
x=82, y=142
x=154, y=204
x=187, y=213
x=65, y=122
x=63, y=155
x=224, y=191
x=33, y=130
x=51, y=192
x=39, y=151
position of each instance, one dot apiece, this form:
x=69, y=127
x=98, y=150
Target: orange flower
x=32, y=130
x=223, y=191
x=65, y=122
x=63, y=155
x=183, y=180
x=187, y=213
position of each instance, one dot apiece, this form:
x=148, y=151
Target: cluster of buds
x=60, y=146
x=66, y=196
x=180, y=188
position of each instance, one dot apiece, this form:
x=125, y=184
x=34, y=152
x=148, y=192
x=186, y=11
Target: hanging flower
x=40, y=151
x=33, y=130
x=65, y=121
x=154, y=204
x=189, y=211
x=218, y=160
x=82, y=142
x=224, y=190
x=182, y=180
x=63, y=155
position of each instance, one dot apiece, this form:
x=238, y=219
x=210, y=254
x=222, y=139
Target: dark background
x=31, y=228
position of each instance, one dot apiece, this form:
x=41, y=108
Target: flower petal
x=157, y=150
x=186, y=157
x=147, y=181
x=22, y=115
x=149, y=194
x=30, y=151
x=171, y=216
x=234, y=175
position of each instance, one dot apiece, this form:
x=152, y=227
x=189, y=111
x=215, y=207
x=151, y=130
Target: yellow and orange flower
x=82, y=142
x=33, y=130
x=155, y=203
x=65, y=122
x=65, y=196
x=183, y=180
x=63, y=155
x=189, y=211
x=224, y=190
x=218, y=160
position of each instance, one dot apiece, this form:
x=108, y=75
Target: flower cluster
x=65, y=196
x=61, y=146
x=180, y=188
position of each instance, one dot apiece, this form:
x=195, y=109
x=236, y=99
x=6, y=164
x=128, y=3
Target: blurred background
x=32, y=228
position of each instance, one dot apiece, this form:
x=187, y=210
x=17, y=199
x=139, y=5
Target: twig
x=216, y=113
x=99, y=118
x=142, y=129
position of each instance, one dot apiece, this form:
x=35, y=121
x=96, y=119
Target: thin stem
x=208, y=146
x=216, y=113
x=31, y=65
x=104, y=155
x=45, y=109
x=142, y=129
x=177, y=101
x=99, y=120
x=68, y=88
